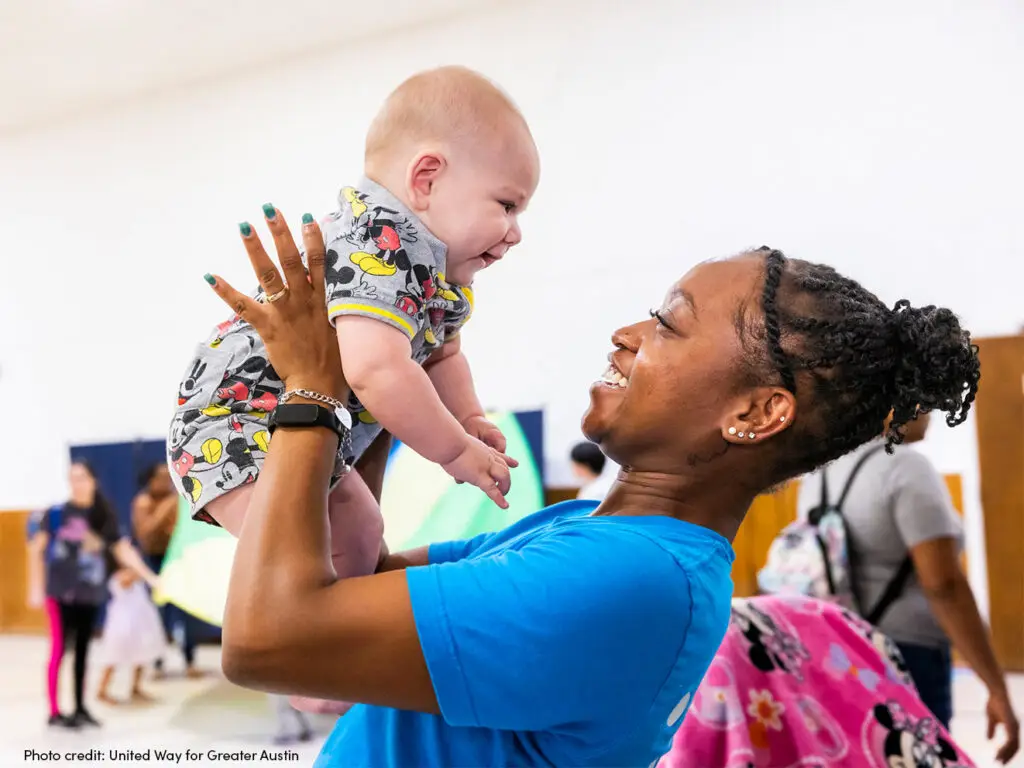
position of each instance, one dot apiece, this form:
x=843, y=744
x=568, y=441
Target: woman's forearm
x=958, y=615
x=128, y=556
x=283, y=556
x=36, y=571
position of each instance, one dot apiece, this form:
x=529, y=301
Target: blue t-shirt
x=564, y=640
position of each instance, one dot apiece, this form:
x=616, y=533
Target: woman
x=154, y=517
x=579, y=635
x=804, y=682
x=68, y=568
x=906, y=538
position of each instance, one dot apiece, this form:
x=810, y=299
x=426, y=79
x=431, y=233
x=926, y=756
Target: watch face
x=297, y=414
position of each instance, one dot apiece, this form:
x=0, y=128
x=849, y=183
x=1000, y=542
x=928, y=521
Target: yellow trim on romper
x=374, y=311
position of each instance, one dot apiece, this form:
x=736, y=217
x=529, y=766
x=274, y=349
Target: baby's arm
x=448, y=371
x=396, y=391
x=378, y=365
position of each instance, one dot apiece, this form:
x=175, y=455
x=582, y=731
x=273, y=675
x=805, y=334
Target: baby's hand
x=483, y=467
x=489, y=434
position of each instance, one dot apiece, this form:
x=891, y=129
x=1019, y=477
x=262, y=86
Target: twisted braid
x=851, y=360
x=774, y=263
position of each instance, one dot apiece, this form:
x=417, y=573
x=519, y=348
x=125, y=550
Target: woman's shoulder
x=624, y=563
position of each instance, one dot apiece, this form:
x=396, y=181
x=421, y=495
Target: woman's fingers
x=244, y=306
x=287, y=253
x=313, y=242
x=270, y=279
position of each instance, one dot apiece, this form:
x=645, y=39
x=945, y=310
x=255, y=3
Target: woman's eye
x=661, y=320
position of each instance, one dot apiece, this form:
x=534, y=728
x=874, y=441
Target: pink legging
x=56, y=652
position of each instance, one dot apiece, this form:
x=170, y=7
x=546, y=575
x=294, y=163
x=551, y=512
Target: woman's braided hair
x=851, y=360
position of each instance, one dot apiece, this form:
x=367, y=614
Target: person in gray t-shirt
x=898, y=506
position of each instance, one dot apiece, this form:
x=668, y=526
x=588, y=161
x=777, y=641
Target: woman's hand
x=292, y=318
x=999, y=711
x=36, y=597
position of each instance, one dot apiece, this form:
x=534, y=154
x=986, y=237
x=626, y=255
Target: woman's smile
x=615, y=375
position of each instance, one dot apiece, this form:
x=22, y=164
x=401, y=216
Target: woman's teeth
x=616, y=379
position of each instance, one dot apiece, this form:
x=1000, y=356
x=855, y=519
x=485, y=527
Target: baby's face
x=475, y=206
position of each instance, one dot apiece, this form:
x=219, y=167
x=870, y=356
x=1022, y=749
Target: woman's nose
x=628, y=337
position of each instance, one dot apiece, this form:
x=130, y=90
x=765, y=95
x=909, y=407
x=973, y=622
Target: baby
x=450, y=164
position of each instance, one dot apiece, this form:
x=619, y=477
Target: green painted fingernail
x=307, y=218
x=245, y=229
x=268, y=210
x=209, y=278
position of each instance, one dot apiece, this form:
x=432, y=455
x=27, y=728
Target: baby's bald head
x=449, y=106
x=455, y=150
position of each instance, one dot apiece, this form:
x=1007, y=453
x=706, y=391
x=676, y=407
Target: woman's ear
x=764, y=412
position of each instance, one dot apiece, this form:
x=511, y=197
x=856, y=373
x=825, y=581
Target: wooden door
x=999, y=416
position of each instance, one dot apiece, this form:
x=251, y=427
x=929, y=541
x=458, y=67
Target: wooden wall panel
x=15, y=615
x=999, y=421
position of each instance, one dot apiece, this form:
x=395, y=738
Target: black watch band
x=306, y=415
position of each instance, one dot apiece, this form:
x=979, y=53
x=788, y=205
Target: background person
x=70, y=556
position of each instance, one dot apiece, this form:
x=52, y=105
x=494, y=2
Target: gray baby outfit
x=382, y=263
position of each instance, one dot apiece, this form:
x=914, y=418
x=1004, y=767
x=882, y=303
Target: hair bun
x=937, y=367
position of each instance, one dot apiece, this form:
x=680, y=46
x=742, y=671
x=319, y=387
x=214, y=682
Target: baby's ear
x=424, y=171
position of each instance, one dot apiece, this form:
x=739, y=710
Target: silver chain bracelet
x=311, y=395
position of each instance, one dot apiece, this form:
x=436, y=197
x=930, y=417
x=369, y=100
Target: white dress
x=133, y=634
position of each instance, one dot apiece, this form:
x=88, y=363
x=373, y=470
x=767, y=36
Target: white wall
x=884, y=138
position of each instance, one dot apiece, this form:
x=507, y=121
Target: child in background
x=133, y=635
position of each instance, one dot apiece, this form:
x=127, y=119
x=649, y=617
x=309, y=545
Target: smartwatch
x=306, y=415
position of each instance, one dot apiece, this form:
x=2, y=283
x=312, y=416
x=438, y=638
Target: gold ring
x=271, y=298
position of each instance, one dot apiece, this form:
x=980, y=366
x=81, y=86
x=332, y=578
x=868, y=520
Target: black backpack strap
x=815, y=514
x=853, y=474
x=892, y=591
x=851, y=554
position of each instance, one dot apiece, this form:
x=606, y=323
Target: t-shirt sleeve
x=361, y=282
x=453, y=551
x=573, y=627
x=36, y=522
x=921, y=506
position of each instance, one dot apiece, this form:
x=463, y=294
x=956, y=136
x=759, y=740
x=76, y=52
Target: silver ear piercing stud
x=782, y=418
x=751, y=435
x=732, y=430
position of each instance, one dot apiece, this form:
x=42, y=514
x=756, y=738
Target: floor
x=211, y=715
